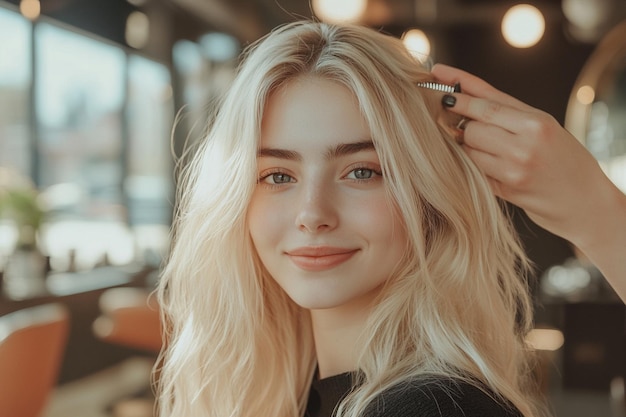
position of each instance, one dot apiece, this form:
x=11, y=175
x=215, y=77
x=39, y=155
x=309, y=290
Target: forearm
x=604, y=240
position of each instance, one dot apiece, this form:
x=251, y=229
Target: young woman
x=336, y=252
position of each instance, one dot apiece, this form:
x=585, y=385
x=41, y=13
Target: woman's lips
x=320, y=258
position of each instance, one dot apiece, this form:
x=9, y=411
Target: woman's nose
x=317, y=210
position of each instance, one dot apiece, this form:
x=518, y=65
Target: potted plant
x=20, y=205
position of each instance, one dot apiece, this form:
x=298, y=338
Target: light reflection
x=585, y=94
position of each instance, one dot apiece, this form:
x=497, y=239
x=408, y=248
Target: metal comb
x=444, y=88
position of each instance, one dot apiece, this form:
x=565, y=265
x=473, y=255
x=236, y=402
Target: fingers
x=488, y=139
x=490, y=165
x=488, y=111
x=475, y=86
x=496, y=169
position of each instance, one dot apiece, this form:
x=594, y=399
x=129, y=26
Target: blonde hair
x=458, y=307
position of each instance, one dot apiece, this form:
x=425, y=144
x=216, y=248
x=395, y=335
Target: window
x=149, y=181
x=205, y=71
x=79, y=99
x=15, y=81
x=79, y=102
x=94, y=139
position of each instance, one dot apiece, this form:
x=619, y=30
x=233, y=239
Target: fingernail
x=448, y=100
x=457, y=87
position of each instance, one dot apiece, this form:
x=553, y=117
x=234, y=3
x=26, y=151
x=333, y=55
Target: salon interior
x=99, y=99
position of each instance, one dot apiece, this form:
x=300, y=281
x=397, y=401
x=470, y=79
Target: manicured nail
x=457, y=87
x=448, y=100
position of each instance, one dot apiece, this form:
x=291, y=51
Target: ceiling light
x=417, y=43
x=523, y=26
x=335, y=11
x=30, y=9
x=545, y=339
x=137, y=30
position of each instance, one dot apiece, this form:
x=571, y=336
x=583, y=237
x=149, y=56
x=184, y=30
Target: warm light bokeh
x=545, y=339
x=523, y=26
x=30, y=9
x=417, y=43
x=585, y=94
x=137, y=30
x=335, y=11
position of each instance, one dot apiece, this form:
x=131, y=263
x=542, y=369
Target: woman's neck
x=338, y=334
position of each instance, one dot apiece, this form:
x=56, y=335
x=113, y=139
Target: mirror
x=596, y=111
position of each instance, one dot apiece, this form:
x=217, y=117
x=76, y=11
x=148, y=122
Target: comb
x=444, y=88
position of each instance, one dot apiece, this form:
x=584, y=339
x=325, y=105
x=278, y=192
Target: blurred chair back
x=32, y=343
x=131, y=318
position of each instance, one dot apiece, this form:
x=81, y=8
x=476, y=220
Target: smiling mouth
x=320, y=259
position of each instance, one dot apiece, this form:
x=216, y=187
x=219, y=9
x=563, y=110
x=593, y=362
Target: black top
x=432, y=397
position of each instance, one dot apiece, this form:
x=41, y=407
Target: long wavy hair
x=458, y=306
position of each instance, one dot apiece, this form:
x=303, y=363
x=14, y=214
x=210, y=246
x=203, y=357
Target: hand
x=530, y=160
x=534, y=163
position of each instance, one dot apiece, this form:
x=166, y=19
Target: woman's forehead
x=314, y=110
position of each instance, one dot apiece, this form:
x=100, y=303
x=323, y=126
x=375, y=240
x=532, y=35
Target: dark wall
x=541, y=76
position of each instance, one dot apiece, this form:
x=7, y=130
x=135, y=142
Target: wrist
x=604, y=235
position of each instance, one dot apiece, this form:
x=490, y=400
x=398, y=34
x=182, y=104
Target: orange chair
x=129, y=318
x=32, y=343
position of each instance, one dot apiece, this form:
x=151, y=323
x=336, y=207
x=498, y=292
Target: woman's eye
x=361, y=174
x=277, y=178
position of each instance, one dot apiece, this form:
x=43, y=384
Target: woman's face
x=319, y=217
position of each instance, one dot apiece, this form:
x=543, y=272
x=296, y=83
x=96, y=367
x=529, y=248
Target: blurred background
x=98, y=99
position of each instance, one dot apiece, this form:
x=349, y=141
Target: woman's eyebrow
x=279, y=153
x=340, y=150
x=349, y=149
